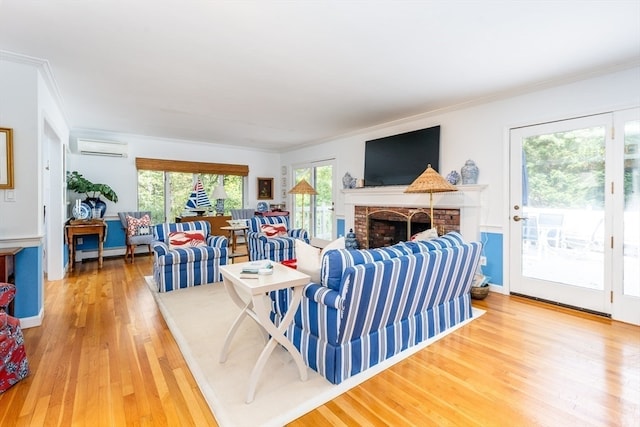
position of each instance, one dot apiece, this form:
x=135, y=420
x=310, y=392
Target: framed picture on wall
x=265, y=188
x=6, y=158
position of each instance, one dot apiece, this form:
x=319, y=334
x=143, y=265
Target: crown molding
x=43, y=66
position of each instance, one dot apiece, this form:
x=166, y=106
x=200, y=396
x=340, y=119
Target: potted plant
x=81, y=185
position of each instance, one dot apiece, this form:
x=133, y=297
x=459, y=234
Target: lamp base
x=219, y=207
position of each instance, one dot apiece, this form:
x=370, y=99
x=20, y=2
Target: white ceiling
x=276, y=74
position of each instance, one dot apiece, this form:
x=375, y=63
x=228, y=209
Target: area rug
x=199, y=318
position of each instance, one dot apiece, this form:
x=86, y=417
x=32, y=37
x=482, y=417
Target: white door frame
x=623, y=308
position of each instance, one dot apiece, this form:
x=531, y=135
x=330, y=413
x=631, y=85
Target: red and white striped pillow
x=273, y=230
x=186, y=239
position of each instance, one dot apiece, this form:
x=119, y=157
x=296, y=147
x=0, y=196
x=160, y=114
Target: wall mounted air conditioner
x=93, y=147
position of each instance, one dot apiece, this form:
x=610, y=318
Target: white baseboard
x=33, y=321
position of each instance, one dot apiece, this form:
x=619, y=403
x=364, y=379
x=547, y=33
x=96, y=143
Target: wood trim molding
x=191, y=167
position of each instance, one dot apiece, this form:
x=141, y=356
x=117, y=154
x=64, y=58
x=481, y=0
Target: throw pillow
x=138, y=226
x=309, y=258
x=432, y=233
x=273, y=230
x=186, y=239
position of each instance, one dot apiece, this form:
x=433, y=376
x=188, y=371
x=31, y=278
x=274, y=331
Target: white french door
x=315, y=213
x=574, y=204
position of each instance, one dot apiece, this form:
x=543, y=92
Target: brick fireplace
x=382, y=216
x=379, y=226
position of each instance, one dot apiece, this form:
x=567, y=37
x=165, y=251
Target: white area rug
x=199, y=318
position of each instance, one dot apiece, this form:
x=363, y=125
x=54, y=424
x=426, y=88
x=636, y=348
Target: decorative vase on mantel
x=469, y=173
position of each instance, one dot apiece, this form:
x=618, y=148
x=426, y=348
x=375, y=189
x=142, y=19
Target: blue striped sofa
x=274, y=248
x=373, y=304
x=184, y=267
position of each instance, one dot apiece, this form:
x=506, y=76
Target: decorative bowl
x=237, y=222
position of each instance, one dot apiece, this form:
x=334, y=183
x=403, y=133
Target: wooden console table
x=7, y=273
x=77, y=228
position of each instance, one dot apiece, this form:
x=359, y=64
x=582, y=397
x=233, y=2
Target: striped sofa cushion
x=448, y=240
x=336, y=261
x=404, y=286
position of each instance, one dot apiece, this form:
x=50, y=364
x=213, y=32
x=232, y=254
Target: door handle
x=520, y=218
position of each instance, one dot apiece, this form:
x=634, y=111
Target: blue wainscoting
x=340, y=228
x=29, y=282
x=492, y=250
x=115, y=238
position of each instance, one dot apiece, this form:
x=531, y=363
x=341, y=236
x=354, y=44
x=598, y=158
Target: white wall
x=28, y=105
x=480, y=132
x=121, y=173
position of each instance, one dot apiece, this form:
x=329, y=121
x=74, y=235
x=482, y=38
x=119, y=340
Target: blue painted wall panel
x=115, y=238
x=492, y=250
x=340, y=228
x=29, y=282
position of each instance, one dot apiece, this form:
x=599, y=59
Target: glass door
x=315, y=213
x=575, y=213
x=559, y=212
x=626, y=243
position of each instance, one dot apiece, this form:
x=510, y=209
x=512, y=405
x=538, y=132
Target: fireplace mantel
x=468, y=199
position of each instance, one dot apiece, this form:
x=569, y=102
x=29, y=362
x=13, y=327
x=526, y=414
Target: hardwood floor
x=104, y=356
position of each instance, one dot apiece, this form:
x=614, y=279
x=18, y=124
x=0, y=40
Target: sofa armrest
x=217, y=241
x=159, y=248
x=299, y=233
x=256, y=236
x=323, y=295
x=7, y=293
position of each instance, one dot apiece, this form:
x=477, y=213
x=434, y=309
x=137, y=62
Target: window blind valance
x=191, y=167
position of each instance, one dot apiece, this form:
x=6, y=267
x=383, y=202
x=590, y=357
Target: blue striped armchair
x=273, y=248
x=189, y=266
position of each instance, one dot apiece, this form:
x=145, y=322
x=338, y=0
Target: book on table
x=255, y=266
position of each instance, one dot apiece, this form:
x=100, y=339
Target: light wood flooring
x=104, y=357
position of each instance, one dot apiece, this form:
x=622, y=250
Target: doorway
x=574, y=213
x=315, y=213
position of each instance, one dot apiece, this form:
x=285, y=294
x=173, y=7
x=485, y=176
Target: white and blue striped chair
x=191, y=266
x=381, y=308
x=274, y=248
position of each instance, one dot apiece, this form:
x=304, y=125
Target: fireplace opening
x=377, y=227
x=386, y=228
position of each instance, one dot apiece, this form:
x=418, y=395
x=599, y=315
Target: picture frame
x=6, y=158
x=265, y=188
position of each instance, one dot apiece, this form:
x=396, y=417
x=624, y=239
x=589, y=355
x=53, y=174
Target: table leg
x=72, y=252
x=246, y=310
x=277, y=337
x=100, y=245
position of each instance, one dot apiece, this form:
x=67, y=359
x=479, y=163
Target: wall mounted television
x=400, y=159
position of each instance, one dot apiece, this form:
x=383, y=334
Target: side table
x=281, y=278
x=77, y=228
x=232, y=229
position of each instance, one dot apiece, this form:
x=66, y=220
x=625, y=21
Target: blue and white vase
x=469, y=172
x=453, y=178
x=350, y=241
x=348, y=181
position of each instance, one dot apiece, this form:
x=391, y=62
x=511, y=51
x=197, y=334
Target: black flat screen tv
x=400, y=159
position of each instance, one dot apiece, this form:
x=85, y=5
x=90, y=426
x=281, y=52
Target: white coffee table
x=282, y=278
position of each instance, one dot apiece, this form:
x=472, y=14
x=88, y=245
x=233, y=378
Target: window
x=165, y=186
